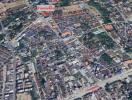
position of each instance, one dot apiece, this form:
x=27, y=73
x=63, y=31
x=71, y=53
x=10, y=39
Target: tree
x=2, y=37
x=65, y=2
x=106, y=58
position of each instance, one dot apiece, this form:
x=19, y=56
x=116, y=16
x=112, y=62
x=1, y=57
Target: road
x=2, y=26
x=14, y=81
x=13, y=63
x=124, y=17
x=40, y=18
x=4, y=81
x=81, y=92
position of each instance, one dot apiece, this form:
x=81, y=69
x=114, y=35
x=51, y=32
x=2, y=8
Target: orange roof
x=108, y=26
x=93, y=88
x=66, y=33
x=127, y=62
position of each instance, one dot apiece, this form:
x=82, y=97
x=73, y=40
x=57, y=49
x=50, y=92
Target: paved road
x=4, y=81
x=2, y=26
x=114, y=78
x=81, y=92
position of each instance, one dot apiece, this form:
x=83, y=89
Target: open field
x=13, y=4
x=23, y=96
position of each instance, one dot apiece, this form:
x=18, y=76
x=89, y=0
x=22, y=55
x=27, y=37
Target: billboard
x=45, y=8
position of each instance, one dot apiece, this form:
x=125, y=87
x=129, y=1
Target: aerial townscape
x=65, y=49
